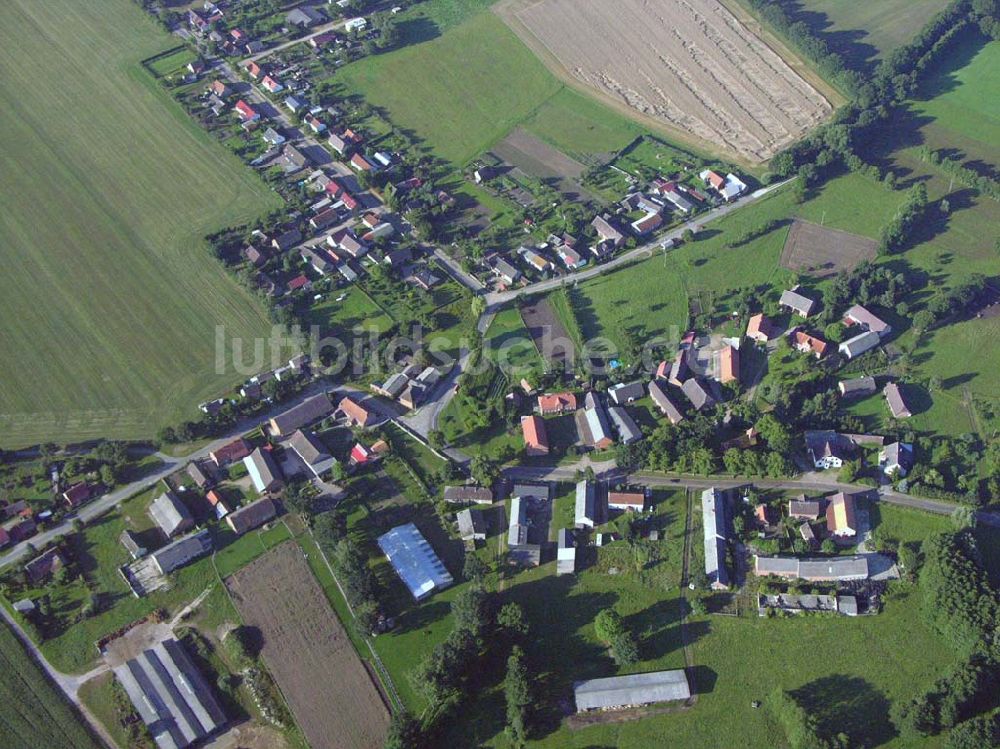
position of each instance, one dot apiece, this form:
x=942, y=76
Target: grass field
x=33, y=712
x=110, y=296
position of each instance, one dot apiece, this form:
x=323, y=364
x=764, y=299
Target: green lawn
x=507, y=342
x=111, y=298
x=459, y=103
x=966, y=100
x=33, y=713
x=580, y=126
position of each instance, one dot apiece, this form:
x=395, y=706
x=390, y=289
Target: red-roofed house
x=301, y=281
x=220, y=89
x=272, y=84
x=761, y=329
x=808, y=344
x=246, y=112
x=238, y=449
x=254, y=70
x=536, y=441
x=556, y=403
x=356, y=412
x=349, y=201
x=729, y=365
x=334, y=188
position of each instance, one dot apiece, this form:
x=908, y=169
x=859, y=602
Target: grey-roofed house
x=200, y=478
x=304, y=17
x=472, y=525
x=797, y=302
x=822, y=569
x=286, y=240
x=170, y=695
x=626, y=392
x=263, y=470
x=847, y=605
x=413, y=559
x=628, y=430
x=894, y=398
x=506, y=272
x=517, y=530
x=803, y=509
x=565, y=552
x=857, y=387
x=632, y=690
x=182, y=551
x=663, y=401
x=896, y=459
x=535, y=491
x=252, y=515
x=597, y=430
x=713, y=514
x=858, y=315
x=477, y=494
x=311, y=409
x=586, y=504
x=393, y=386
x=859, y=344
x=130, y=541
x=170, y=514
x=317, y=261
x=312, y=452
x=697, y=394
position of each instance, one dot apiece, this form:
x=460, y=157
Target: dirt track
x=689, y=64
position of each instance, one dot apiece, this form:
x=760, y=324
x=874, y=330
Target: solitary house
x=631, y=691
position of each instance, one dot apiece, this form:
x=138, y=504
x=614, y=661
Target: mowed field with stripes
x=109, y=294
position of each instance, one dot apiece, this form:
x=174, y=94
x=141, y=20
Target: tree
x=518, y=695
x=624, y=649
x=963, y=516
x=474, y=569
x=299, y=497
x=404, y=732
x=608, y=626
x=849, y=471
x=511, y=620
x=435, y=438
x=484, y=470
x=828, y=546
x=469, y=611
x=366, y=617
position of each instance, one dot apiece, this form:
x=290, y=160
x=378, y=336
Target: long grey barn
x=628, y=691
x=170, y=695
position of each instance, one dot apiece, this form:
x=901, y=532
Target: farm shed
x=634, y=689
x=312, y=452
x=477, y=494
x=182, y=551
x=713, y=512
x=586, y=505
x=416, y=563
x=170, y=695
x=170, y=514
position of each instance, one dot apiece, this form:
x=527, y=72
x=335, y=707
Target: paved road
x=806, y=483
x=68, y=683
x=170, y=464
x=498, y=298
x=454, y=269
x=300, y=40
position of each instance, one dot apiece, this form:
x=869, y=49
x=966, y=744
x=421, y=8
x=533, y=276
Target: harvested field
x=688, y=64
x=536, y=157
x=549, y=335
x=304, y=645
x=821, y=252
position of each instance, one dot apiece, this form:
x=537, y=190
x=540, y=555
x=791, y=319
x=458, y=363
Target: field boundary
x=147, y=63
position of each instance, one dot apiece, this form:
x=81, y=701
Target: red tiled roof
x=556, y=402
x=533, y=429
x=298, y=282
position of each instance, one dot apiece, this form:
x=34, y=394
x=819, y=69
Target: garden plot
x=688, y=64
x=305, y=647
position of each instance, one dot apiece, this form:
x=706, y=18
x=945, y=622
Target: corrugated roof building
x=631, y=690
x=416, y=563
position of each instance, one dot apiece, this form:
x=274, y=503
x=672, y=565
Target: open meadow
x=862, y=32
x=111, y=297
